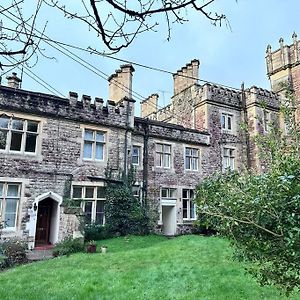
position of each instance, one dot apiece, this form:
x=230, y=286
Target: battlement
x=82, y=109
x=165, y=113
x=220, y=94
x=285, y=57
x=256, y=95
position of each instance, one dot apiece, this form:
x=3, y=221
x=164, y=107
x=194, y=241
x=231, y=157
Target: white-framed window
x=266, y=120
x=136, y=155
x=93, y=145
x=168, y=193
x=228, y=159
x=188, y=204
x=18, y=135
x=192, y=159
x=163, y=155
x=10, y=194
x=92, y=202
x=227, y=122
x=136, y=191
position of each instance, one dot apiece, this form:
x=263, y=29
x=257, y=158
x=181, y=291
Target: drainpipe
x=145, y=161
x=247, y=136
x=126, y=140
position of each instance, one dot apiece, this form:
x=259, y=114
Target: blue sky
x=227, y=56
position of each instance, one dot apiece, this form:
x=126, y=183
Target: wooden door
x=43, y=224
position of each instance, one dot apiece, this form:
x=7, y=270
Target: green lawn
x=153, y=267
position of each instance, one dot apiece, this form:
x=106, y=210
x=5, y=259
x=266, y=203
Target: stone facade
x=52, y=148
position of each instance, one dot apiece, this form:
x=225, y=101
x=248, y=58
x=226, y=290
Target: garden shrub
x=13, y=253
x=260, y=213
x=124, y=213
x=96, y=232
x=68, y=246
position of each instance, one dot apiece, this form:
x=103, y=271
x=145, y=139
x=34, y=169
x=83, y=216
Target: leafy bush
x=260, y=214
x=14, y=253
x=124, y=213
x=96, y=232
x=68, y=246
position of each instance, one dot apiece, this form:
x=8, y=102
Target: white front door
x=169, y=220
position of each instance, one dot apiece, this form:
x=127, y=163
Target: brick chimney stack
x=13, y=81
x=149, y=106
x=120, y=83
x=186, y=76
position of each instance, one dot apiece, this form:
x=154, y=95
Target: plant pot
x=91, y=248
x=103, y=249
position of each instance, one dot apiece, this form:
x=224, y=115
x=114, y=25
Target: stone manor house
x=50, y=144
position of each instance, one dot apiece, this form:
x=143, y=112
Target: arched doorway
x=47, y=219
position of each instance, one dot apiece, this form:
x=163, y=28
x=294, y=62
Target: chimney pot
x=13, y=81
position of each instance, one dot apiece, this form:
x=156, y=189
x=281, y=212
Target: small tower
x=283, y=67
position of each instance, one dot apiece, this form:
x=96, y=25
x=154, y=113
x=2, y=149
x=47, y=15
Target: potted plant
x=103, y=249
x=91, y=247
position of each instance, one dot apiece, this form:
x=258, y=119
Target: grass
x=152, y=267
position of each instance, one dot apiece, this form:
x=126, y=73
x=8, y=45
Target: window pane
x=13, y=190
x=4, y=122
x=166, y=161
x=3, y=135
x=100, y=212
x=32, y=126
x=159, y=147
x=158, y=160
x=30, y=142
x=88, y=135
x=135, y=160
x=77, y=192
x=89, y=192
x=99, y=151
x=172, y=193
x=167, y=149
x=17, y=124
x=1, y=190
x=87, y=150
x=100, y=137
x=185, y=194
x=135, y=150
x=101, y=193
x=192, y=210
x=16, y=140
x=187, y=163
x=10, y=212
x=100, y=207
x=229, y=122
x=184, y=208
x=164, y=193
x=195, y=163
x=188, y=151
x=88, y=211
x=223, y=121
x=195, y=152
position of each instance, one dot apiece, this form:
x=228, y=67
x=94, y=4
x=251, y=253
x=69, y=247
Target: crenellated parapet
x=283, y=65
x=262, y=97
x=167, y=131
x=285, y=57
x=165, y=114
x=219, y=94
x=84, y=109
